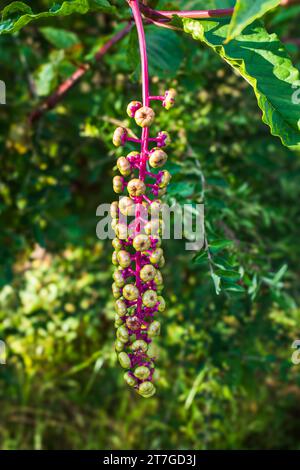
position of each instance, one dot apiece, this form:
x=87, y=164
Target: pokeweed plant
x=138, y=255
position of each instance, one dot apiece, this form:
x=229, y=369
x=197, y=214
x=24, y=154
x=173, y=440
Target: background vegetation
x=226, y=376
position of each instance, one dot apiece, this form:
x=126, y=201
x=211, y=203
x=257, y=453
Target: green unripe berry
x=124, y=360
x=144, y=116
x=122, y=334
x=118, y=184
x=153, y=351
x=114, y=259
x=146, y=389
x=149, y=298
x=136, y=187
x=127, y=206
x=169, y=99
x=161, y=262
x=133, y=323
x=124, y=166
x=162, y=192
x=114, y=210
x=142, y=372
x=165, y=179
x=154, y=329
x=154, y=227
x=119, y=345
x=118, y=321
x=116, y=291
x=158, y=279
x=123, y=258
x=157, y=158
x=133, y=154
x=119, y=137
x=118, y=278
x=130, y=292
x=121, y=307
x=162, y=304
x=156, y=255
x=139, y=345
x=147, y=273
x=121, y=231
x=117, y=244
x=141, y=242
x=131, y=381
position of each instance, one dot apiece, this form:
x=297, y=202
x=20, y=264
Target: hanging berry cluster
x=138, y=255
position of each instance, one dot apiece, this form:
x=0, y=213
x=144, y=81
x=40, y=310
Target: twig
x=68, y=84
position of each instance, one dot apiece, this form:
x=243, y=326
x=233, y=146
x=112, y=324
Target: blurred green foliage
x=226, y=379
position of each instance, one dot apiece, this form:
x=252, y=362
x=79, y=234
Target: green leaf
x=262, y=60
x=217, y=245
x=163, y=62
x=201, y=258
x=18, y=14
x=60, y=38
x=183, y=189
x=229, y=275
x=217, y=282
x=247, y=11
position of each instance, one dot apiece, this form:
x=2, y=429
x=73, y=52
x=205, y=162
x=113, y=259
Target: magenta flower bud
x=144, y=116
x=130, y=292
x=164, y=139
x=157, y=158
x=149, y=298
x=136, y=187
x=141, y=242
x=118, y=184
x=124, y=166
x=169, y=98
x=120, y=136
x=133, y=107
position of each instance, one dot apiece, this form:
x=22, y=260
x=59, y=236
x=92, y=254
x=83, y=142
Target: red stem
x=134, y=5
x=68, y=84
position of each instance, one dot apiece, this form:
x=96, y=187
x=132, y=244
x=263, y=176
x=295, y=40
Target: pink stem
x=156, y=98
x=197, y=13
x=145, y=133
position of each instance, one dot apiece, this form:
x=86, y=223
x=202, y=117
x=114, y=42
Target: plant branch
x=68, y=84
x=200, y=14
